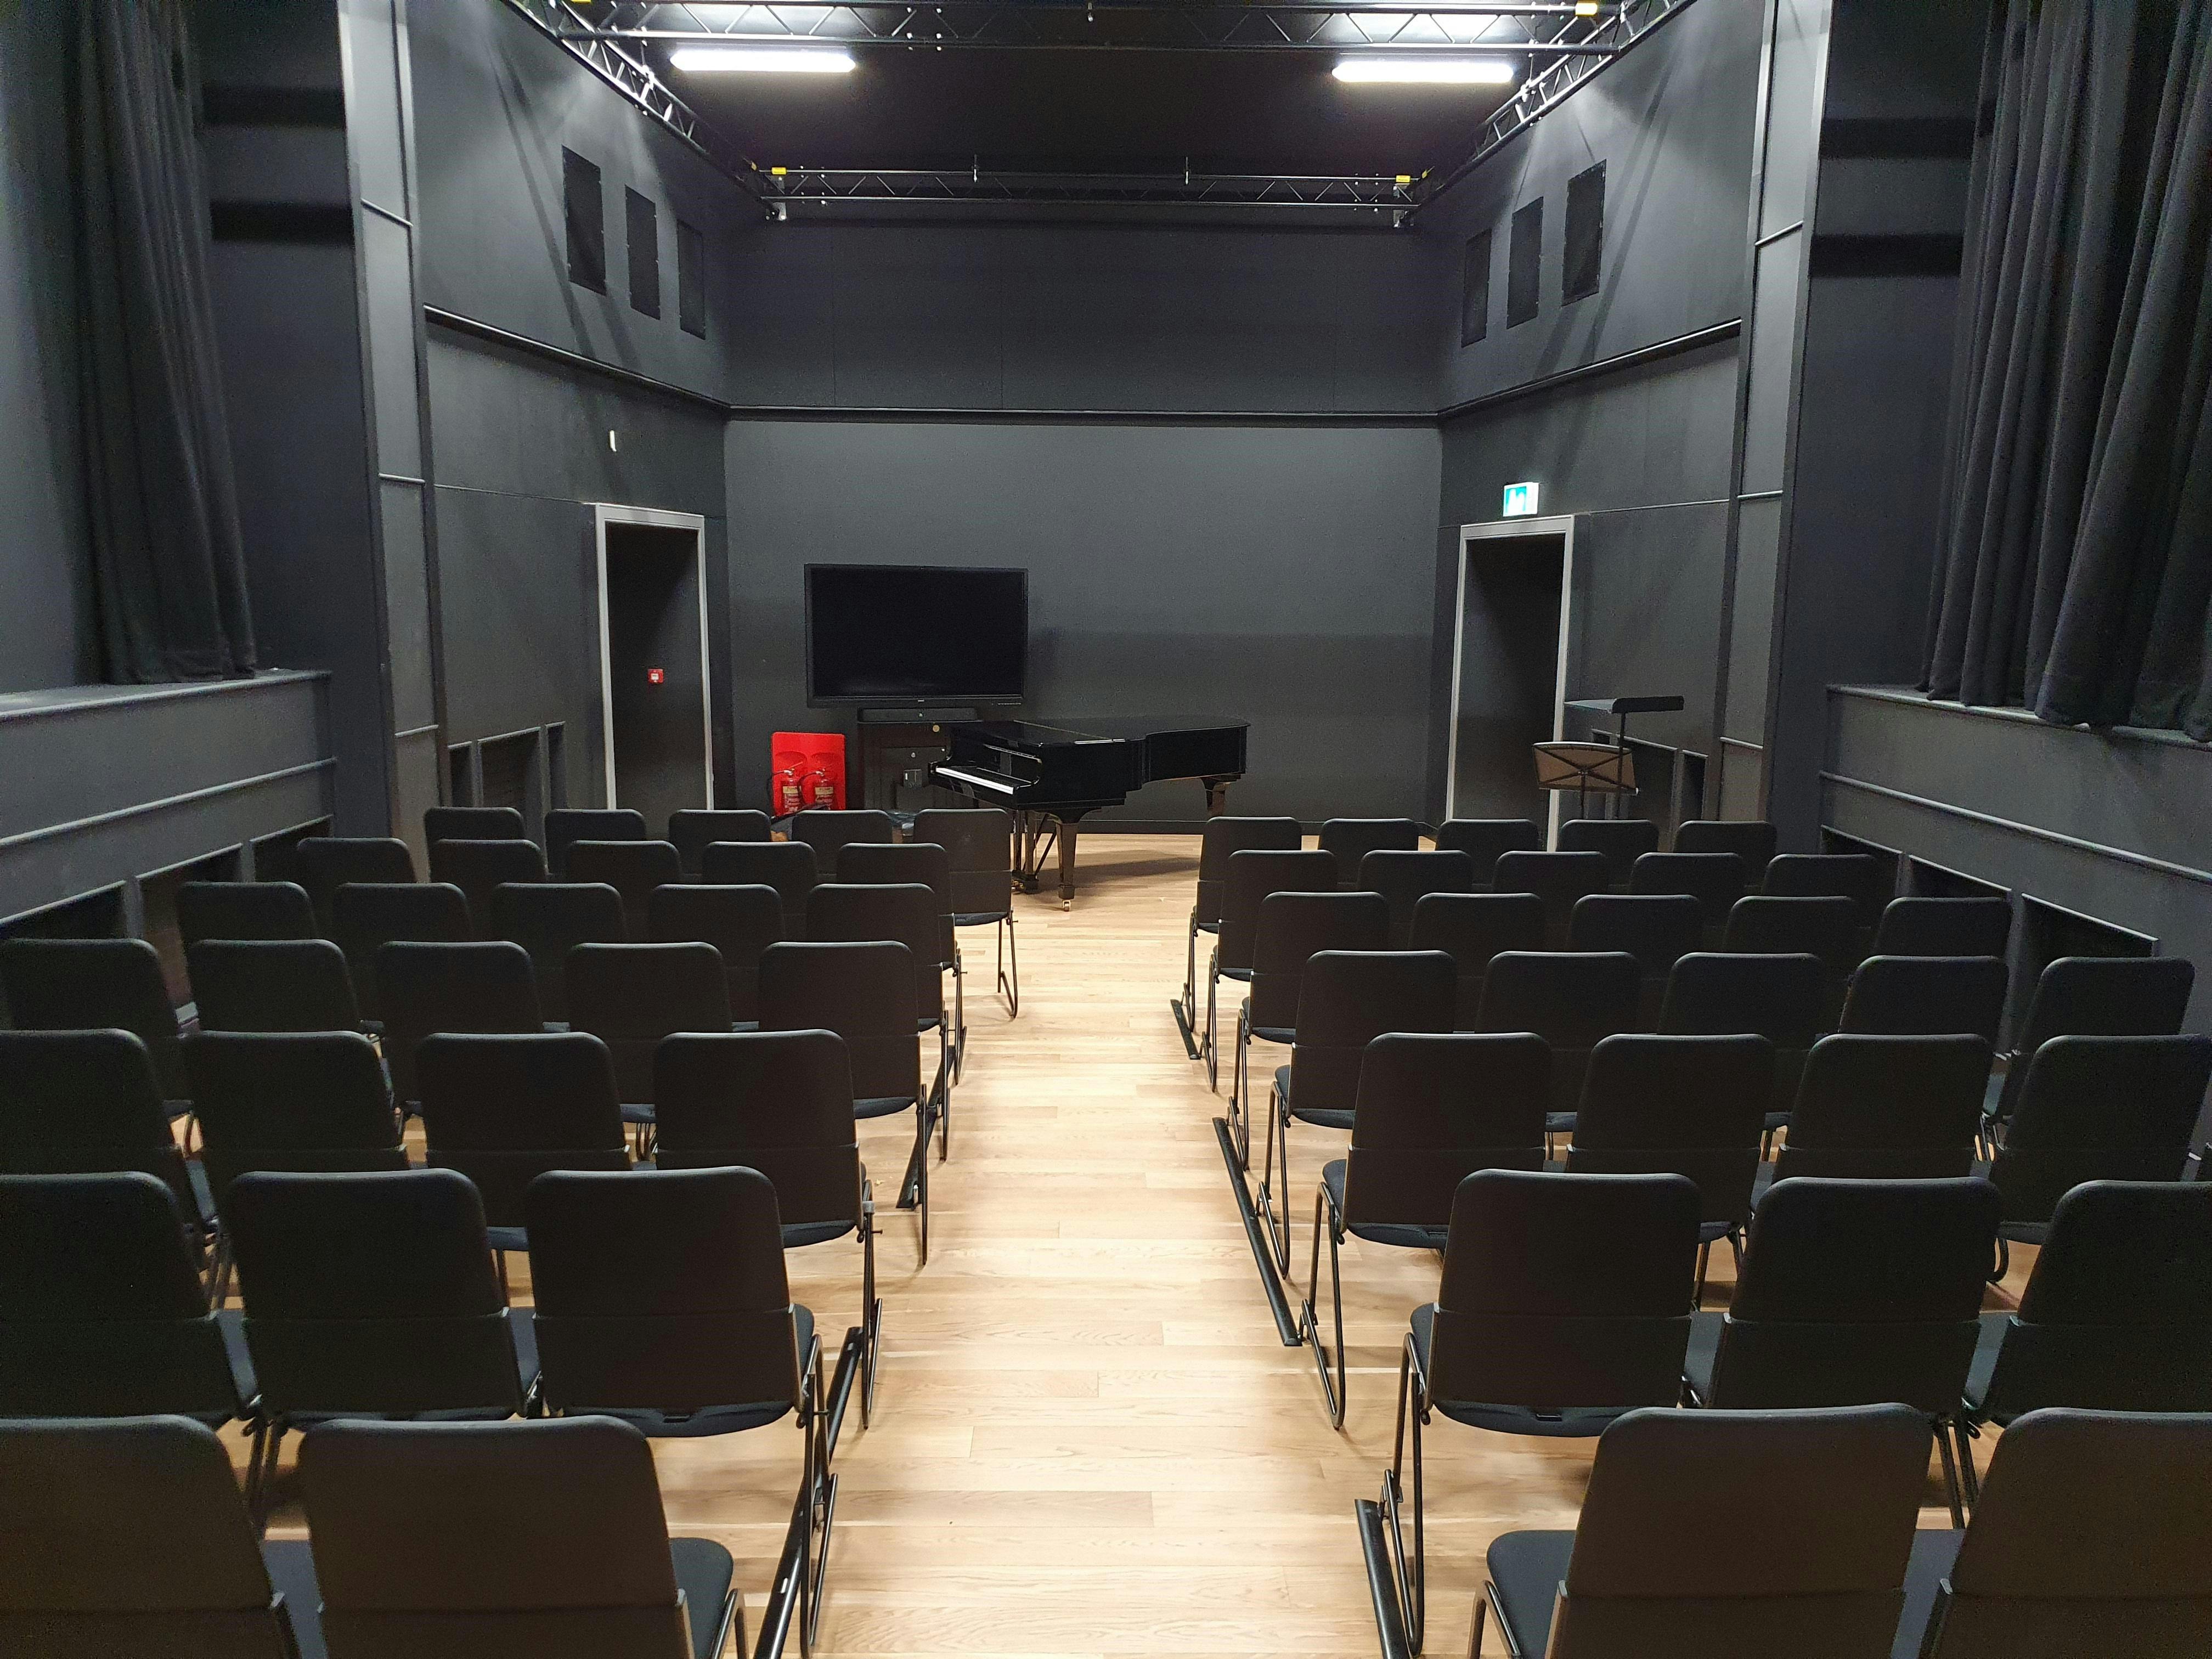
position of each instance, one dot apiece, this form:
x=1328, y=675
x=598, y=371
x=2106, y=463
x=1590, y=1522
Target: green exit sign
x=1521, y=500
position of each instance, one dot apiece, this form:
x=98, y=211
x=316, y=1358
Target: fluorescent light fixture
x=1440, y=71
x=762, y=60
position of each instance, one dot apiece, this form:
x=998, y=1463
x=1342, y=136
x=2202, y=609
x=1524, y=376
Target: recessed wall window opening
x=1524, y=278
x=690, y=279
x=587, y=222
x=1582, y=268
x=1474, y=289
x=642, y=225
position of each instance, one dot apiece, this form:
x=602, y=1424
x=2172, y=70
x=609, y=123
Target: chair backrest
x=1405, y=877
x=740, y=922
x=547, y=918
x=487, y=985
x=1566, y=1292
x=1434, y=1108
x=2108, y=996
x=1693, y=1106
x=899, y=864
x=1873, y=1106
x=1764, y=924
x=2101, y=1109
x=2117, y=1311
x=693, y=830
x=1349, y=998
x=88, y=984
x=1752, y=840
x=789, y=866
x=2092, y=1534
x=129, y=1539
x=299, y=1101
x=1353, y=839
x=479, y=868
x=1657, y=929
x=1559, y=879
x=778, y=1102
x=1926, y=996
x=1716, y=880
x=80, y=1101
x=503, y=1111
x=328, y=862
x=1859, y=877
x=542, y=1537
x=864, y=994
x=826, y=830
x=366, y=916
x=1471, y=928
x=1820, y=1506
x=632, y=868
x=566, y=825
x=371, y=1294
x=472, y=824
x=1944, y=927
x=1225, y=837
x=1252, y=874
x=272, y=985
x=101, y=1310
x=244, y=910
x=1571, y=998
x=630, y=996
x=1484, y=841
x=1712, y=993
x=1622, y=840
x=1295, y=926
x=840, y=912
x=979, y=845
x=1855, y=1292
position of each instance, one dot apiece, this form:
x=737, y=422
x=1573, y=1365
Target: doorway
x=652, y=660
x=1511, y=664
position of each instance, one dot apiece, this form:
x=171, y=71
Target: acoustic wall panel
x=586, y=222
x=1583, y=268
x=1474, y=289
x=641, y=242
x=1524, y=279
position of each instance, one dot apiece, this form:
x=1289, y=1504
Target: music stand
x=1588, y=769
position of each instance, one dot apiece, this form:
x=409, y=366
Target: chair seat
x=732, y=1419
x=1526, y=1572
x=1404, y=1236
x=202, y=1192
x=1241, y=975
x=231, y=1323
x=291, y=1565
x=979, y=918
x=798, y=1234
x=1576, y=1422
x=1213, y=926
x=637, y=1112
x=508, y=1240
x=883, y=1106
x=1984, y=1363
x=703, y=1572
x=1321, y=1118
x=1934, y=1552
x=1284, y=1035
x=1704, y=1351
x=1559, y=1123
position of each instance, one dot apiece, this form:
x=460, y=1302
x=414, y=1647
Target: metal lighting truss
x=782, y=186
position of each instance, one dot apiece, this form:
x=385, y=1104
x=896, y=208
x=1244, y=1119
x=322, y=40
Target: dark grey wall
x=46, y=618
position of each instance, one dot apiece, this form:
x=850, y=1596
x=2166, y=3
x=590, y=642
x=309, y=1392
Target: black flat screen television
x=886, y=636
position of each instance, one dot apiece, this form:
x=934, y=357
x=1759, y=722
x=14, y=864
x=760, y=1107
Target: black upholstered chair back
x=1353, y=839
x=630, y=996
x=480, y=868
x=1622, y=840
x=1752, y=840
x=826, y=830
x=1559, y=879
x=1874, y=1108
x=80, y=1101
x=789, y=866
x=2100, y=996
x=2099, y=1109
x=1294, y=927
x=1859, y=877
x=1434, y=1108
x=298, y=1101
x=632, y=868
x=1484, y=841
x=1783, y=998
x=1944, y=927
x=900, y=864
x=1252, y=874
x=487, y=985
x=1657, y=929
x=472, y=824
x=328, y=862
x=1926, y=996
x=548, y=919
x=862, y=992
x=272, y=985
x=842, y=912
x=693, y=830
x=1692, y=1106
x=1471, y=928
x=1224, y=837
x=1406, y=878
x=979, y=846
x=740, y=922
x=1572, y=1000
x=366, y=916
x=778, y=1102
x=88, y=984
x=566, y=825
x=244, y=910
x=1826, y=928
x=1716, y=880
x=503, y=1110
x=1349, y=998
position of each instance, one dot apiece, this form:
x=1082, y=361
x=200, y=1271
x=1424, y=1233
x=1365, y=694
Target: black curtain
x=2078, y=536
x=168, y=558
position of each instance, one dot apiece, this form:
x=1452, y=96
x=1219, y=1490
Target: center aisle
x=1089, y=1439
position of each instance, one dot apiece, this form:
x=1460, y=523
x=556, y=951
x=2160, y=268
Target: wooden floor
x=1089, y=1439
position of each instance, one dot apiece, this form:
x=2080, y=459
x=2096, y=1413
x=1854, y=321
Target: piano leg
x=1217, y=796
x=1067, y=864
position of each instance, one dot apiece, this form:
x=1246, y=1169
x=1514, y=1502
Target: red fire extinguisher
x=788, y=795
x=820, y=792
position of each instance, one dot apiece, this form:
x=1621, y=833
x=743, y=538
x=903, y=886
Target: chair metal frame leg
x=1240, y=1083
x=1329, y=1219
x=1278, y=1227
x=871, y=1307
x=941, y=1089
x=1207, y=1048
x=959, y=1012
x=1010, y=958
x=261, y=1469
x=1411, y=1570
x=1943, y=1428
x=818, y=1498
x=1964, y=1432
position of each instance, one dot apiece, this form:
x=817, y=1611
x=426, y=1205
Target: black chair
x=846, y=913
x=2092, y=1536
x=1252, y=874
x=371, y=1296
x=293, y=1101
x=129, y=1540
x=366, y=916
x=826, y=830
x=1752, y=840
x=503, y=1110
x=978, y=842
x=1558, y=878
x=632, y=868
x=740, y=922
x=1865, y=880
x=2094, y=996
x=1405, y=879
x=1471, y=928
x=244, y=910
x=102, y=1310
x=1564, y=1305
x=1780, y=998
x=480, y=868
x=2098, y=1108
x=1431, y=1110
x=1828, y=928
x=1716, y=880
x=272, y=985
x=328, y=862
x=864, y=994
x=1351, y=840
x=693, y=830
x=548, y=920
x=1819, y=1509
x=630, y=996
x=1346, y=999
x=1484, y=841
x=97, y=984
x=1926, y=996
x=1944, y=927
x=541, y=1538
x=1894, y=1316
x=906, y=864
x=566, y=825
x=789, y=866
x=1657, y=929
x=1622, y=840
x=1886, y=1108
x=472, y=824
x=486, y=986
x=780, y=1103
x=78, y=1103
x=1293, y=927
x=1220, y=841
x=1572, y=999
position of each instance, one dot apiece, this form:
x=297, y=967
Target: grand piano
x=1049, y=776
